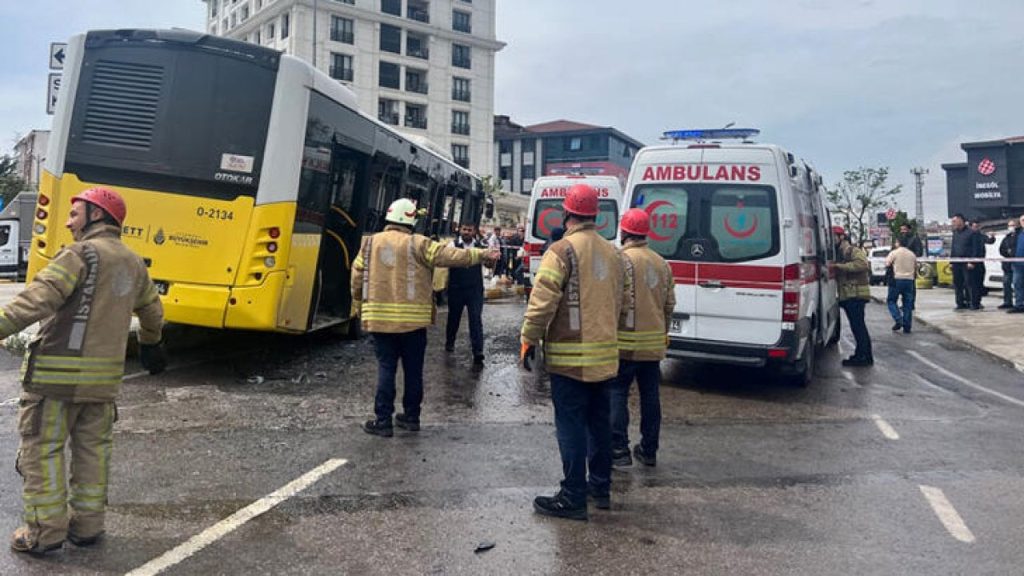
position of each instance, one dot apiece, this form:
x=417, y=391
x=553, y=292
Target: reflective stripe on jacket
x=648, y=306
x=575, y=305
x=392, y=288
x=853, y=273
x=85, y=296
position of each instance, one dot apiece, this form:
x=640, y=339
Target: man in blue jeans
x=904, y=269
x=1018, y=270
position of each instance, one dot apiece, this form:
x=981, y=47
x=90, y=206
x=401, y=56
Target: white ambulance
x=545, y=212
x=745, y=229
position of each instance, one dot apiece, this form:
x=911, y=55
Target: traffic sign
x=58, y=51
x=51, y=92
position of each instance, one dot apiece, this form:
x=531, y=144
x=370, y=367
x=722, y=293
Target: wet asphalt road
x=753, y=476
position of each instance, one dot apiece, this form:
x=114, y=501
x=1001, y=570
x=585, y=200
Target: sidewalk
x=989, y=331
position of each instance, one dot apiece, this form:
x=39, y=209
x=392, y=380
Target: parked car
x=876, y=256
x=994, y=270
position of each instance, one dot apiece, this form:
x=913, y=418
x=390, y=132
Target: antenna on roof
x=701, y=135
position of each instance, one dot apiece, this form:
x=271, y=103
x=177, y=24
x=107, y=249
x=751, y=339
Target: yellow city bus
x=250, y=177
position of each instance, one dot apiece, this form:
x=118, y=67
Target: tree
x=861, y=193
x=10, y=183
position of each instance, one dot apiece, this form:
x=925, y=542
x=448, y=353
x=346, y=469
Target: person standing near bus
x=466, y=290
x=574, y=308
x=643, y=338
x=904, y=269
x=73, y=368
x=853, y=273
x=393, y=296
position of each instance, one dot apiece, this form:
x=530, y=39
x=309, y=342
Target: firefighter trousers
x=45, y=426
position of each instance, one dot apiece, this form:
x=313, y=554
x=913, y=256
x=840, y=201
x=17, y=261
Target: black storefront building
x=990, y=185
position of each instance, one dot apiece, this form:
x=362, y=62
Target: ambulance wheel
x=834, y=338
x=803, y=371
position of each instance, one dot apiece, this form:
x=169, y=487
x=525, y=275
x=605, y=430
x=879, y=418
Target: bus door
x=342, y=235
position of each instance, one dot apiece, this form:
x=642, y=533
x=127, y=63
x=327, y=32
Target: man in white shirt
x=904, y=270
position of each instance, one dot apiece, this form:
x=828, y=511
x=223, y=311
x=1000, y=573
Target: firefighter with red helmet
x=392, y=293
x=574, y=310
x=73, y=368
x=643, y=338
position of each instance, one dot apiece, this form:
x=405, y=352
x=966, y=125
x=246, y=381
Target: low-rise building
x=30, y=153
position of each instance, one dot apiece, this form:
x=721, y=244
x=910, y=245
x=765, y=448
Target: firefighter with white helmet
x=392, y=293
x=72, y=371
x=643, y=338
x=574, y=309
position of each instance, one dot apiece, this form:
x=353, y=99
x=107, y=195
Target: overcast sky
x=843, y=83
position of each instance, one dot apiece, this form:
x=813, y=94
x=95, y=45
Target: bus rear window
x=547, y=216
x=190, y=120
x=711, y=223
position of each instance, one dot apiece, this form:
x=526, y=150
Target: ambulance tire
x=837, y=333
x=803, y=373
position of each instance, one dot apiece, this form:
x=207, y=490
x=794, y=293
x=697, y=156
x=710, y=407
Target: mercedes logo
x=697, y=251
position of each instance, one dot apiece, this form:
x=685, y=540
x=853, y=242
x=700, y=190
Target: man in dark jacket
x=966, y=244
x=910, y=240
x=466, y=290
x=1006, y=250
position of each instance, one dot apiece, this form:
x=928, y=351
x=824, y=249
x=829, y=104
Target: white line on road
x=887, y=430
x=229, y=524
x=947, y=514
x=965, y=381
x=931, y=384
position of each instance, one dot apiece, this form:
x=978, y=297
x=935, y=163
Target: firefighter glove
x=526, y=355
x=152, y=357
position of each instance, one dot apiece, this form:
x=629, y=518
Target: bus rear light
x=43, y=200
x=272, y=247
x=39, y=229
x=41, y=214
x=275, y=232
x=270, y=262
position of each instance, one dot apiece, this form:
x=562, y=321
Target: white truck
x=16, y=235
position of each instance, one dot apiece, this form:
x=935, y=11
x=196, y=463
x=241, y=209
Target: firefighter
x=574, y=308
x=392, y=293
x=643, y=337
x=73, y=368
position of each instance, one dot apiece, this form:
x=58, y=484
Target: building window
x=341, y=30
x=416, y=80
x=352, y=2
x=461, y=56
x=416, y=116
x=234, y=19
x=259, y=4
x=460, y=89
x=418, y=10
x=416, y=46
x=461, y=22
x=271, y=32
x=224, y=25
x=528, y=172
x=390, y=38
x=460, y=122
x=257, y=38
x=573, y=143
x=390, y=75
x=245, y=13
x=285, y=25
x=505, y=173
x=213, y=8
x=505, y=147
x=387, y=111
x=393, y=7
x=528, y=145
x=460, y=153
x=341, y=67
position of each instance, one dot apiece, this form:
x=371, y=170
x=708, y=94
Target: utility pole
x=919, y=185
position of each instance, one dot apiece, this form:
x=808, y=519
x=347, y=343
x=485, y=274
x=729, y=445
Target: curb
x=973, y=347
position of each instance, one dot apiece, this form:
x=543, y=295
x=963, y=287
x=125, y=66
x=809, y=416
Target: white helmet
x=402, y=211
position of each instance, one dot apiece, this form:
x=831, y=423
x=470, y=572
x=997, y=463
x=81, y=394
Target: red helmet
x=839, y=230
x=110, y=201
x=581, y=200
x=636, y=222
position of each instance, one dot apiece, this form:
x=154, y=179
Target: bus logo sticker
x=236, y=163
x=159, y=238
x=743, y=231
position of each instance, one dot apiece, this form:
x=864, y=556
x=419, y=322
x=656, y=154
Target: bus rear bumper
x=195, y=304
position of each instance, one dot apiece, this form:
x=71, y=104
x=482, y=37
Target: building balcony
x=462, y=129
x=417, y=87
x=415, y=122
x=418, y=14
x=389, y=118
x=343, y=74
x=342, y=36
x=461, y=95
x=418, y=53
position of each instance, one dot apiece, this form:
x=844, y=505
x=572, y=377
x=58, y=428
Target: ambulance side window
x=668, y=207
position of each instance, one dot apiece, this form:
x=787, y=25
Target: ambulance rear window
x=709, y=222
x=547, y=215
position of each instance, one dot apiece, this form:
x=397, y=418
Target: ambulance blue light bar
x=711, y=134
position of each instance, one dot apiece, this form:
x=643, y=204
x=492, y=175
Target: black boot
x=379, y=428
x=621, y=458
x=559, y=507
x=645, y=459
x=602, y=501
x=406, y=423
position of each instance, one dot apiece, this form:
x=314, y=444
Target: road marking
x=947, y=514
x=229, y=524
x=965, y=381
x=849, y=376
x=931, y=384
x=887, y=430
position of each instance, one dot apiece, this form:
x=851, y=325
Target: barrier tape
x=963, y=260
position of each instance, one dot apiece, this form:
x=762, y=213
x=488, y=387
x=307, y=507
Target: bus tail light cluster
x=791, y=283
x=41, y=214
x=265, y=254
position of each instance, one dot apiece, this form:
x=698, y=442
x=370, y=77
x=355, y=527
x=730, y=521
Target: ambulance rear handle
x=711, y=284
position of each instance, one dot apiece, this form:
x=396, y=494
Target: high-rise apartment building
x=425, y=66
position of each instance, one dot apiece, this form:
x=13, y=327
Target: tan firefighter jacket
x=392, y=289
x=85, y=298
x=853, y=273
x=575, y=305
x=650, y=301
